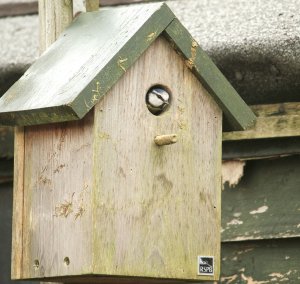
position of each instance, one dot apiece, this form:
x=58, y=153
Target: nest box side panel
x=57, y=214
x=18, y=190
x=157, y=208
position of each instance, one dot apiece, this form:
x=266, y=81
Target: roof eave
x=162, y=20
x=123, y=60
x=236, y=111
x=101, y=83
x=38, y=116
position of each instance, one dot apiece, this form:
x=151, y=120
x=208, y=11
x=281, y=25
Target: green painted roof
x=94, y=52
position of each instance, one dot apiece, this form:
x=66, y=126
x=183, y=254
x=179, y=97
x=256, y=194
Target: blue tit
x=157, y=100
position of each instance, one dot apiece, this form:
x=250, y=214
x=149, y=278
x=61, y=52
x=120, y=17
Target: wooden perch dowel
x=161, y=140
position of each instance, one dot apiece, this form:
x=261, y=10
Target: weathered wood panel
x=79, y=78
x=57, y=214
x=82, y=6
x=83, y=55
x=17, y=7
x=237, y=113
x=231, y=150
x=273, y=121
x=151, y=200
x=269, y=261
x=18, y=204
x=24, y=7
x=54, y=17
x=261, y=262
x=265, y=204
x=258, y=262
x=260, y=148
x=237, y=149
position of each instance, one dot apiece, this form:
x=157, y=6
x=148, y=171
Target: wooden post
x=54, y=17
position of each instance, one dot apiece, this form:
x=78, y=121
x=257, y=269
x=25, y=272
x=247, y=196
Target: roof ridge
x=66, y=82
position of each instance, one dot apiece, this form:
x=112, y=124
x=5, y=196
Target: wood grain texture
x=82, y=67
x=273, y=121
x=18, y=7
x=264, y=204
x=231, y=149
x=156, y=208
x=50, y=27
x=94, y=279
x=261, y=262
x=18, y=205
x=54, y=17
x=57, y=197
x=91, y=5
x=64, y=209
x=238, y=114
x=25, y=7
x=260, y=148
x=82, y=6
x=70, y=67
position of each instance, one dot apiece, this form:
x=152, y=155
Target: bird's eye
x=158, y=99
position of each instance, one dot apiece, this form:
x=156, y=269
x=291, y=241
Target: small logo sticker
x=206, y=265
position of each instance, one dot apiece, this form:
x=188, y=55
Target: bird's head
x=157, y=100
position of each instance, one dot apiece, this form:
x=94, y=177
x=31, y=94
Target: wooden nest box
x=98, y=192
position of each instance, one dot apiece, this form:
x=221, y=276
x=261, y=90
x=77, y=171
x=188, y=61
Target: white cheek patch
x=155, y=101
x=165, y=96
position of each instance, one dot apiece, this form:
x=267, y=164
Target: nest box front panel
x=98, y=196
x=157, y=208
